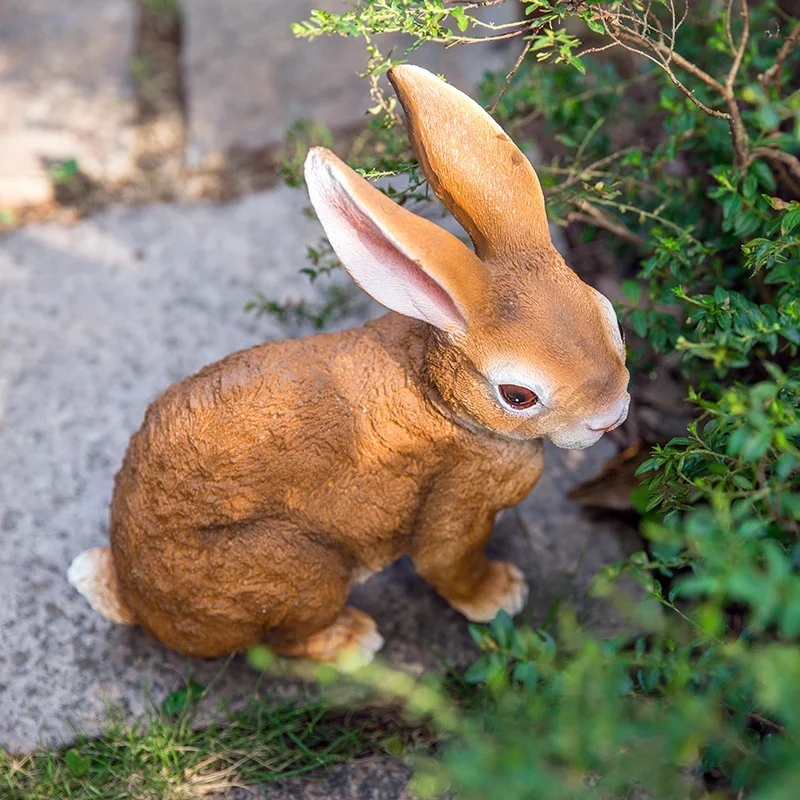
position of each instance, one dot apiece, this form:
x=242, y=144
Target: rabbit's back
x=332, y=434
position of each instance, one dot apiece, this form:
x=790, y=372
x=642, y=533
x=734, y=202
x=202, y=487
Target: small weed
x=303, y=135
x=164, y=758
x=169, y=9
x=338, y=304
x=7, y=219
x=63, y=173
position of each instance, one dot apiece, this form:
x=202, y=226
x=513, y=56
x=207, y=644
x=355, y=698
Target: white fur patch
x=93, y=575
x=610, y=316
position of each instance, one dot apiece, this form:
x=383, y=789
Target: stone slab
x=378, y=778
x=247, y=79
x=95, y=321
x=65, y=92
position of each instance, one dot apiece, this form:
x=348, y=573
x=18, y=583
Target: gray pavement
x=65, y=92
x=247, y=79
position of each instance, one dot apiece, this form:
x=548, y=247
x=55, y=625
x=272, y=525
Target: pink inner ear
x=405, y=270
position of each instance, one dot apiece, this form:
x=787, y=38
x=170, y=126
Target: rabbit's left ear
x=473, y=166
x=405, y=262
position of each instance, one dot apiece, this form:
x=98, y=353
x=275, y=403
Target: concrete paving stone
x=65, y=92
x=378, y=778
x=95, y=321
x=247, y=79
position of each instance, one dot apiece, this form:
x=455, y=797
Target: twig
x=773, y=74
x=737, y=59
x=480, y=39
x=511, y=74
x=598, y=123
x=467, y=6
x=593, y=167
x=663, y=55
x=594, y=216
x=728, y=32
x=791, y=162
x=788, y=180
x=681, y=62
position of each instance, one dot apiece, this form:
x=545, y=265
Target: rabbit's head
x=522, y=346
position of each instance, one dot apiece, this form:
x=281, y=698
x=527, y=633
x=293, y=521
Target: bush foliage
x=678, y=134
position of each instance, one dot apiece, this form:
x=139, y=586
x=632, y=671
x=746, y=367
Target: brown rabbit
x=259, y=489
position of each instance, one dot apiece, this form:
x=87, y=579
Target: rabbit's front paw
x=504, y=587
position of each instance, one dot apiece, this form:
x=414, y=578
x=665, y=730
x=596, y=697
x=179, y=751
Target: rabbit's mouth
x=579, y=437
x=622, y=417
x=575, y=437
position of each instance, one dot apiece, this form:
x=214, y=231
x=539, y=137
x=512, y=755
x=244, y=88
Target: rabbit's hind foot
x=503, y=589
x=94, y=576
x=350, y=642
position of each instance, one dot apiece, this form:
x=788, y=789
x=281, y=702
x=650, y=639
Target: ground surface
x=98, y=317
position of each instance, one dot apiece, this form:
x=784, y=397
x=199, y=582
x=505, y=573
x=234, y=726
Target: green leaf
x=502, y=628
x=633, y=291
x=764, y=175
x=477, y=672
x=595, y=25
x=785, y=465
x=638, y=320
x=76, y=763
x=181, y=699
x=790, y=221
x=478, y=633
x=756, y=445
x=526, y=673
x=577, y=63
x=457, y=13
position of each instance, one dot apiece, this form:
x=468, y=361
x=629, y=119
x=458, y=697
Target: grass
x=164, y=757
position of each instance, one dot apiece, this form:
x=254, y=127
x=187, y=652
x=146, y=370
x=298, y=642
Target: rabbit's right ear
x=403, y=261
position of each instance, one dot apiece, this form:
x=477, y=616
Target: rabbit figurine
x=258, y=490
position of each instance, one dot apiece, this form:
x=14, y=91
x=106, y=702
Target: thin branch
x=689, y=67
x=684, y=17
x=590, y=50
x=791, y=162
x=511, y=74
x=589, y=168
x=773, y=74
x=788, y=180
x=728, y=32
x=479, y=39
x=585, y=143
x=467, y=6
x=737, y=59
x=628, y=38
x=594, y=216
x=692, y=68
x=498, y=26
x=636, y=43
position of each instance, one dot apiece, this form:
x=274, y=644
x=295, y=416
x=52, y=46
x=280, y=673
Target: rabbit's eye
x=518, y=396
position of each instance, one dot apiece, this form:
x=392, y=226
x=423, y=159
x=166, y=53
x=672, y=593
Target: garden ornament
x=258, y=490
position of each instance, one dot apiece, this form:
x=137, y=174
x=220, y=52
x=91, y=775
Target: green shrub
x=683, y=156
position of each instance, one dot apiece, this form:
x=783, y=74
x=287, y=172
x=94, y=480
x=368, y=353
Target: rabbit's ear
x=405, y=262
x=473, y=166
